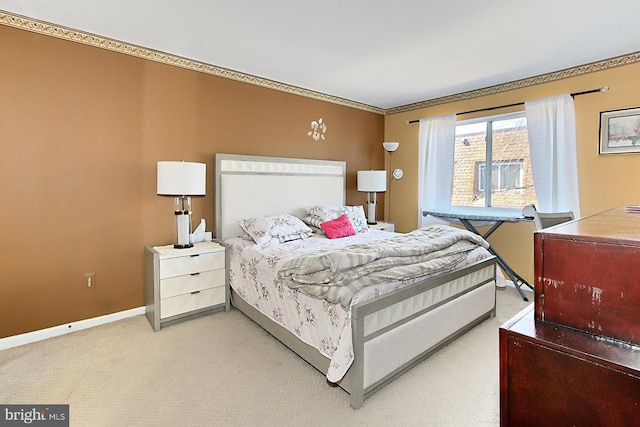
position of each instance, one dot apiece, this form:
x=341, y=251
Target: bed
x=385, y=329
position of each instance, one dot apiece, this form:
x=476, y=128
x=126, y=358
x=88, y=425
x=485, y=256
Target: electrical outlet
x=91, y=279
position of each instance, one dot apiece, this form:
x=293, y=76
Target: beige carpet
x=223, y=370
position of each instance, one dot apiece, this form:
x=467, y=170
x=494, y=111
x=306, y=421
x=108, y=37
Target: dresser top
x=612, y=225
x=608, y=352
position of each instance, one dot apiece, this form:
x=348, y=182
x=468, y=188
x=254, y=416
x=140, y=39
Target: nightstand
x=184, y=283
x=384, y=226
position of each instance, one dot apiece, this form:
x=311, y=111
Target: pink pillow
x=339, y=227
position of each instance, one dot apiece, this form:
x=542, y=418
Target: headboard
x=253, y=186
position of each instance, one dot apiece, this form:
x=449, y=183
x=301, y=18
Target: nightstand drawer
x=180, y=266
x=193, y=282
x=384, y=226
x=189, y=302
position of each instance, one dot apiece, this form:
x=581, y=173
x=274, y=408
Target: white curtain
x=435, y=163
x=551, y=128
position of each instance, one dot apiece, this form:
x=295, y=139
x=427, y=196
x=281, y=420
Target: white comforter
x=323, y=325
x=337, y=275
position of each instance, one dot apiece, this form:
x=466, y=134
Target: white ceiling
x=381, y=53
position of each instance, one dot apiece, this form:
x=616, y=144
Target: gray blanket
x=337, y=275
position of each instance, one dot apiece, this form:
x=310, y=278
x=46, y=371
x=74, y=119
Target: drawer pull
x=195, y=255
x=195, y=274
x=195, y=292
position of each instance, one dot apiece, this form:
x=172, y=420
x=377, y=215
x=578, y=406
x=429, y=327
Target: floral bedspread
x=253, y=274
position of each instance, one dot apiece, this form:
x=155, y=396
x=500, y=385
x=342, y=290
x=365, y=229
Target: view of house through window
x=499, y=141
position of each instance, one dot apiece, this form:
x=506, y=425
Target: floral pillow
x=356, y=216
x=326, y=213
x=275, y=229
x=339, y=227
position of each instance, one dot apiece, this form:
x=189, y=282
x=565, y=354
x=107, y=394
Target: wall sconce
x=182, y=180
x=372, y=182
x=390, y=147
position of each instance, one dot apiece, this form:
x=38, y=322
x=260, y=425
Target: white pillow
x=281, y=228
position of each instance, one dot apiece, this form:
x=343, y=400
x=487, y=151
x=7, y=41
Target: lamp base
x=177, y=246
x=183, y=223
x=371, y=215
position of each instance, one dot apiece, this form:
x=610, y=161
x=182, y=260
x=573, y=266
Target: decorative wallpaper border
x=531, y=81
x=29, y=24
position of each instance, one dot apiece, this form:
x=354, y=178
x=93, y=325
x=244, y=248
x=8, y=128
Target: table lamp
x=182, y=180
x=372, y=182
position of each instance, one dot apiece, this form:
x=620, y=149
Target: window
x=505, y=175
x=499, y=141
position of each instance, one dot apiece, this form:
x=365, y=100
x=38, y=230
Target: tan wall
x=605, y=181
x=81, y=130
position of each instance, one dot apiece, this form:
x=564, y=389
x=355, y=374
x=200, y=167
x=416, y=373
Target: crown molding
x=531, y=81
x=44, y=28
x=47, y=29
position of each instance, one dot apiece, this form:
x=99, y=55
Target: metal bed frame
x=391, y=333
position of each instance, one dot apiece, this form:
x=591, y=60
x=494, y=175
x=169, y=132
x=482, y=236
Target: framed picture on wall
x=620, y=131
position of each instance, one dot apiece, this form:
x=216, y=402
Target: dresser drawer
x=189, y=302
x=192, y=282
x=180, y=266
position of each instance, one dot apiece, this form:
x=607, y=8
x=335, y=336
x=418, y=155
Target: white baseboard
x=43, y=334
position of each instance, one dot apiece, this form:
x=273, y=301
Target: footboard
x=396, y=331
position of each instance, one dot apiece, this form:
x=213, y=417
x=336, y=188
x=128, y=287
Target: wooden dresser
x=573, y=357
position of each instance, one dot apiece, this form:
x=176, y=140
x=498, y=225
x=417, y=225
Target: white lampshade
x=182, y=178
x=390, y=146
x=372, y=181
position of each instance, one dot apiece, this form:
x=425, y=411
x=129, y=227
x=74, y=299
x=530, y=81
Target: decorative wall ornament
x=318, y=129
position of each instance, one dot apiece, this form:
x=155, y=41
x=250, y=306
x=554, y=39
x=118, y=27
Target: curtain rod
x=602, y=89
